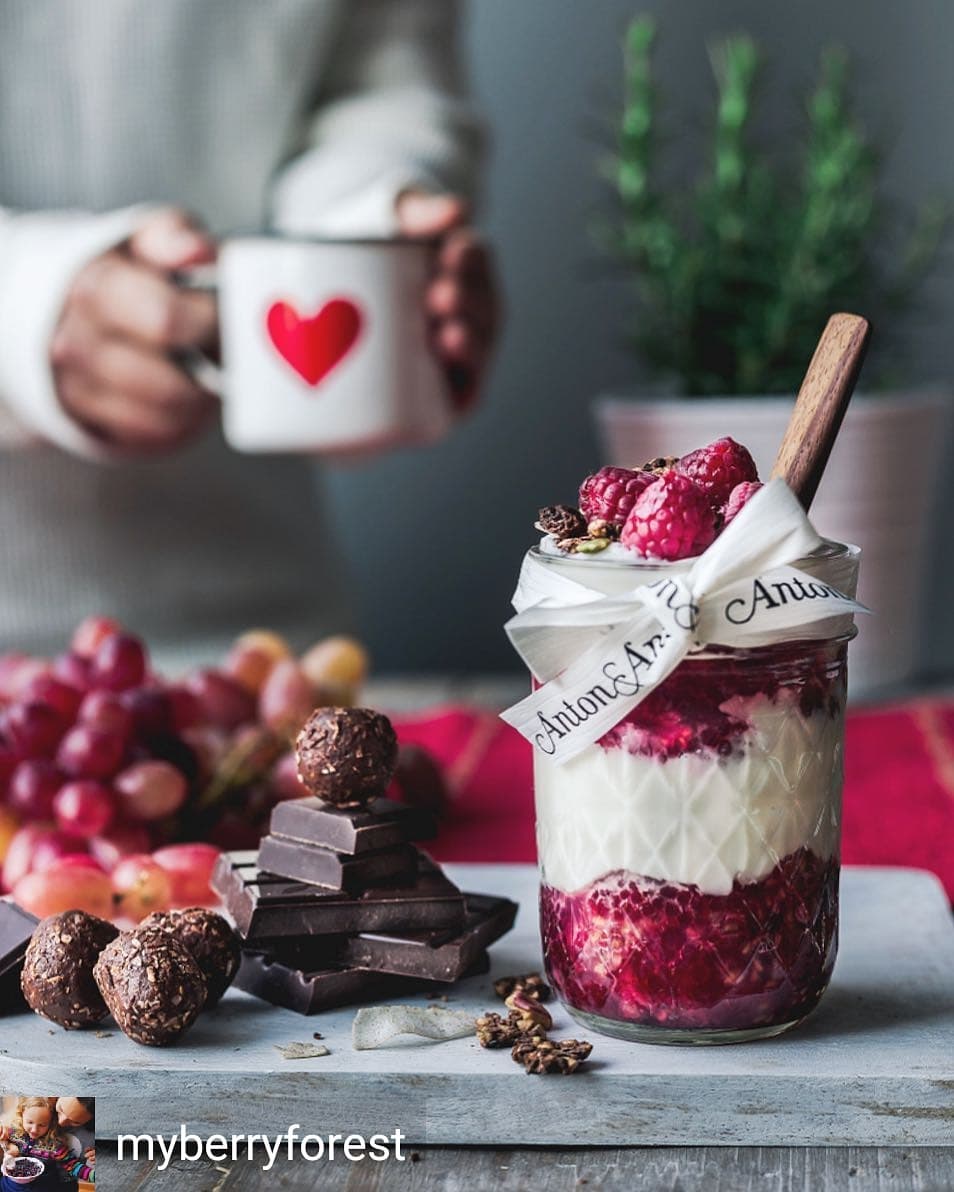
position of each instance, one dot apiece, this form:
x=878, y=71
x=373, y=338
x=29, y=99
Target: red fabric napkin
x=899, y=785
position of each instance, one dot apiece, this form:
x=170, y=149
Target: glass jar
x=690, y=857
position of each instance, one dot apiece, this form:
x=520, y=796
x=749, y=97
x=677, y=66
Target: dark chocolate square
x=16, y=931
x=308, y=992
x=336, y=871
x=353, y=830
x=442, y=954
x=267, y=907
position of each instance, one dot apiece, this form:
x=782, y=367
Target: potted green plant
x=734, y=277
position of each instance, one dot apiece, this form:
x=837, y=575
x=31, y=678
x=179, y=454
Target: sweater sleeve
x=79, y=1169
x=40, y=254
x=391, y=115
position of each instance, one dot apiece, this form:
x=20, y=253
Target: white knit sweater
x=308, y=114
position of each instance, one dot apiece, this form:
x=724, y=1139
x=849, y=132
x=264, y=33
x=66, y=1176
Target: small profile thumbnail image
x=47, y=1143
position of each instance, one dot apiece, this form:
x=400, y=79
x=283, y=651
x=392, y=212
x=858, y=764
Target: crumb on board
x=301, y=1051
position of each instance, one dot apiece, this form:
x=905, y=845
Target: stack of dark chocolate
x=16, y=931
x=339, y=905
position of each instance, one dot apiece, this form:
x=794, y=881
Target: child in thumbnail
x=34, y=1132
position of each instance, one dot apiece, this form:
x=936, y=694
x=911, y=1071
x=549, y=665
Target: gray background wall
x=438, y=535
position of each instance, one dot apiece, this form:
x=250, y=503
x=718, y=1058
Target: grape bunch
x=118, y=787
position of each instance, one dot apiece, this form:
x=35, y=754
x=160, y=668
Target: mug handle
x=205, y=372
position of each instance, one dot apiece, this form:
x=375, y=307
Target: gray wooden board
x=873, y=1066
x=613, y=1169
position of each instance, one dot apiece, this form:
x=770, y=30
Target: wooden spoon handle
x=821, y=404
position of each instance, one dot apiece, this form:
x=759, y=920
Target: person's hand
x=122, y=320
x=461, y=299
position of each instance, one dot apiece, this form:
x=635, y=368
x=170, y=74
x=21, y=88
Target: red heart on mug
x=313, y=346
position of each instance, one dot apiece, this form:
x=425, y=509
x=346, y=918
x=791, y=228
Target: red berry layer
x=699, y=708
x=641, y=951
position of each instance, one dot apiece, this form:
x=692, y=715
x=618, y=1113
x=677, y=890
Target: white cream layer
x=695, y=819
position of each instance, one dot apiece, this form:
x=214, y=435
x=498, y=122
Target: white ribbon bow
x=741, y=592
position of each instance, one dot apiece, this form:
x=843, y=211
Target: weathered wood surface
x=873, y=1066
x=659, y=1169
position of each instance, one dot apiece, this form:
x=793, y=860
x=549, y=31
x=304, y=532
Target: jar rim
x=829, y=550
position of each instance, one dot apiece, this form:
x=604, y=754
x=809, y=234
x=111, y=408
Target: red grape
x=285, y=782
x=32, y=729
x=287, y=699
x=104, y=710
x=10, y=666
x=33, y=785
x=190, y=867
x=100, y=744
x=186, y=712
x=8, y=763
x=252, y=657
x=78, y=861
x=53, y=845
x=237, y=831
x=222, y=701
x=19, y=858
x=151, y=711
x=62, y=697
x=72, y=669
x=150, y=790
x=420, y=781
x=142, y=886
x=16, y=672
x=84, y=807
x=118, y=842
x=70, y=888
x=119, y=663
x=90, y=753
x=209, y=746
x=90, y=634
x=249, y=667
x=35, y=846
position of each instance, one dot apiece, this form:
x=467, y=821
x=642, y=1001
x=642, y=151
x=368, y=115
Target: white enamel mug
x=325, y=346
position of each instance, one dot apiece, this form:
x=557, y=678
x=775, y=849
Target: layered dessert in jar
x=690, y=855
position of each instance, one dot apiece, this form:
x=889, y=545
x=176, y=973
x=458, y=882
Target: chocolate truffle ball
x=152, y=986
x=346, y=755
x=57, y=978
x=208, y=939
